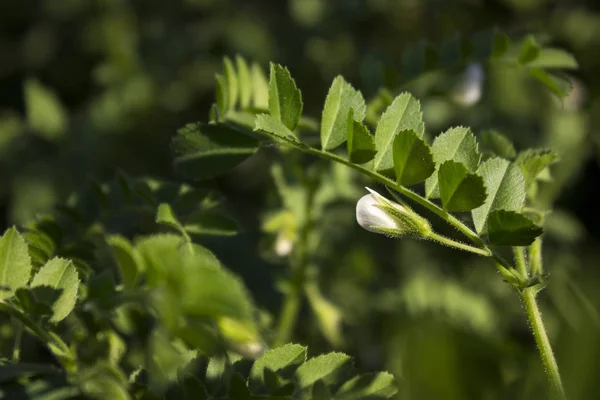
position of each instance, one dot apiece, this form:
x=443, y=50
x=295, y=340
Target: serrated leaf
x=533, y=161
x=244, y=81
x=457, y=144
x=269, y=124
x=557, y=84
x=260, y=88
x=204, y=151
x=375, y=385
x=285, y=99
x=275, y=360
x=327, y=367
x=231, y=83
x=15, y=264
x=341, y=98
x=361, y=145
x=45, y=113
x=530, y=50
x=460, y=190
x=551, y=58
x=413, y=162
x=499, y=144
x=510, y=228
x=128, y=260
x=59, y=273
x=505, y=186
x=403, y=114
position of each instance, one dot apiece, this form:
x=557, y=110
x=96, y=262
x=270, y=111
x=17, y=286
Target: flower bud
x=377, y=214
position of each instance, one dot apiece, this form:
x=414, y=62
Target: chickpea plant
x=126, y=315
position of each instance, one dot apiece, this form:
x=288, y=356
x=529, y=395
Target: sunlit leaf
x=403, y=114
x=342, y=98
x=551, y=58
x=532, y=162
x=413, y=162
x=456, y=144
x=244, y=79
x=509, y=228
x=285, y=99
x=505, y=186
x=231, y=83
x=327, y=367
x=15, y=264
x=460, y=190
x=45, y=113
x=499, y=144
x=59, y=273
x=530, y=50
x=128, y=260
x=275, y=360
x=376, y=385
x=260, y=88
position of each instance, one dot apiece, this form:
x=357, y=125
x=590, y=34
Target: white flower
x=369, y=215
x=377, y=214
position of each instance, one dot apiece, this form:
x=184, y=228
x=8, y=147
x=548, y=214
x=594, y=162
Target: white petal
x=369, y=216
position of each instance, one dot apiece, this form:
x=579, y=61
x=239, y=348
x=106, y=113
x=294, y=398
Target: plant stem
x=287, y=317
x=520, y=262
x=52, y=341
x=535, y=257
x=16, y=356
x=543, y=343
x=458, y=245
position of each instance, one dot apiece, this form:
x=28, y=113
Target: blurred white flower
x=283, y=245
x=469, y=89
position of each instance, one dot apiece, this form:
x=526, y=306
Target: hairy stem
x=535, y=257
x=543, y=343
x=458, y=245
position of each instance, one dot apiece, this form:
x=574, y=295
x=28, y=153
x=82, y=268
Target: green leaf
x=361, y=145
x=403, y=114
x=231, y=83
x=327, y=367
x=506, y=189
x=158, y=253
x=460, y=190
x=244, y=78
x=530, y=50
x=532, y=162
x=204, y=151
x=275, y=360
x=271, y=125
x=285, y=99
x=342, y=98
x=374, y=385
x=59, y=273
x=550, y=58
x=128, y=259
x=377, y=104
x=45, y=113
x=499, y=144
x=557, y=84
x=260, y=88
x=413, y=162
x=15, y=264
x=457, y=144
x=509, y=228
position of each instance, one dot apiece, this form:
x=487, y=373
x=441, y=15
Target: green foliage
x=413, y=162
x=45, y=114
x=361, y=145
x=59, y=273
x=533, y=162
x=457, y=144
x=205, y=150
x=509, y=228
x=499, y=144
x=341, y=100
x=15, y=263
x=505, y=187
x=403, y=114
x=285, y=99
x=460, y=190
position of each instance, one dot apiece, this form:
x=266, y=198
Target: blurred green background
x=92, y=87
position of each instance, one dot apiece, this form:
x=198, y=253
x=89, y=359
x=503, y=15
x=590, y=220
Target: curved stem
x=287, y=318
x=543, y=343
x=458, y=245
